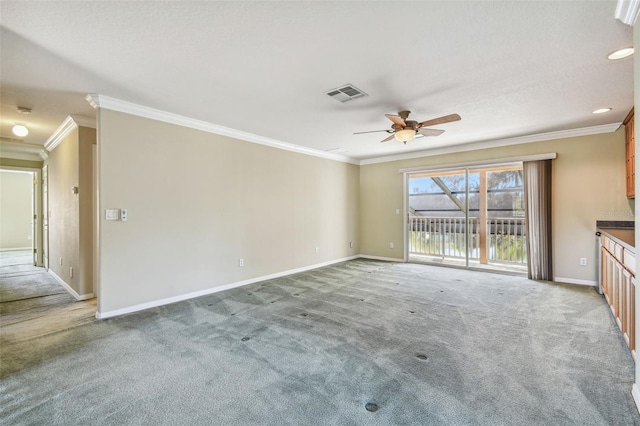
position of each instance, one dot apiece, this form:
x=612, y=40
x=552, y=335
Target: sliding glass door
x=467, y=217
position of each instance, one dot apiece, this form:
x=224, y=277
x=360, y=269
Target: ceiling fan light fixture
x=20, y=131
x=405, y=135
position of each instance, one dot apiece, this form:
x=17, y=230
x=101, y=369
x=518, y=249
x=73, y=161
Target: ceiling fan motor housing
x=412, y=125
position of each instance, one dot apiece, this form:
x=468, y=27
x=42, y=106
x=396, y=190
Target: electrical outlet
x=583, y=261
x=60, y=261
x=397, y=211
x=391, y=245
x=350, y=244
x=317, y=250
x=241, y=262
x=70, y=271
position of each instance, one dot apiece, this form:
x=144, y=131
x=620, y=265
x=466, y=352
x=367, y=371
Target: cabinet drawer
x=629, y=260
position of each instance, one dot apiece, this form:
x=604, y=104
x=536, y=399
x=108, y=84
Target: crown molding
x=68, y=125
x=101, y=101
x=474, y=146
x=627, y=11
x=19, y=150
x=83, y=121
x=14, y=155
x=12, y=145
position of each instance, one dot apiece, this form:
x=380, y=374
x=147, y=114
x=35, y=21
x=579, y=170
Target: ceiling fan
x=404, y=130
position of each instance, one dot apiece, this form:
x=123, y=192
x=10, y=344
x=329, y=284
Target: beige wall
x=86, y=141
x=198, y=202
x=588, y=185
x=63, y=209
x=12, y=162
x=70, y=218
x=16, y=199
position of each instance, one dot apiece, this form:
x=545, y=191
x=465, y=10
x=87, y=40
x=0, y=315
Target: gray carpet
x=24, y=287
x=428, y=345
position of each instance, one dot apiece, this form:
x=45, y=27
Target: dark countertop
x=624, y=224
x=623, y=236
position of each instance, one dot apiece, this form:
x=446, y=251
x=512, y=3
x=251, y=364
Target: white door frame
x=36, y=239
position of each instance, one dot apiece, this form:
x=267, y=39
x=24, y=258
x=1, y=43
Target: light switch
x=123, y=215
x=112, y=214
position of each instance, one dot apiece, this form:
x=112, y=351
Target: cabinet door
x=631, y=301
x=623, y=313
x=606, y=274
x=616, y=289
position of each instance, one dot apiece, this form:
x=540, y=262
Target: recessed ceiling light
x=601, y=110
x=20, y=130
x=621, y=53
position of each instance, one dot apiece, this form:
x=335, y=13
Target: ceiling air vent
x=346, y=93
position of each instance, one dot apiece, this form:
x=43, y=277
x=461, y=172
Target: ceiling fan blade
x=372, y=131
x=430, y=132
x=389, y=138
x=441, y=120
x=396, y=119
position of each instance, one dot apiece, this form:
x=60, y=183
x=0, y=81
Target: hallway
x=32, y=303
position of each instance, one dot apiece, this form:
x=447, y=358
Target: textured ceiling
x=508, y=68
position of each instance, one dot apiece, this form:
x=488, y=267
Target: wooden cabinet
x=618, y=285
x=630, y=149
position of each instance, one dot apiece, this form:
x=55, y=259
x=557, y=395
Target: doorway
x=19, y=207
x=45, y=217
x=468, y=217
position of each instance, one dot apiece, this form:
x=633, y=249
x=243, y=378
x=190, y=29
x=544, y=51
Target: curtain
x=537, y=196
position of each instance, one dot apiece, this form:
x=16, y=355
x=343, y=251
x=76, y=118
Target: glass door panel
x=468, y=217
x=438, y=217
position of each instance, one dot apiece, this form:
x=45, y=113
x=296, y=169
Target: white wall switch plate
x=241, y=262
x=583, y=261
x=391, y=245
x=112, y=214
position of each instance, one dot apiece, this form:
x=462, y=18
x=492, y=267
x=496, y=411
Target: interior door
x=45, y=217
x=34, y=219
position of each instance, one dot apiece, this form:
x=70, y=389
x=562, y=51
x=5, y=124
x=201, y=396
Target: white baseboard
x=187, y=296
x=69, y=289
x=575, y=281
x=16, y=249
x=635, y=391
x=386, y=259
